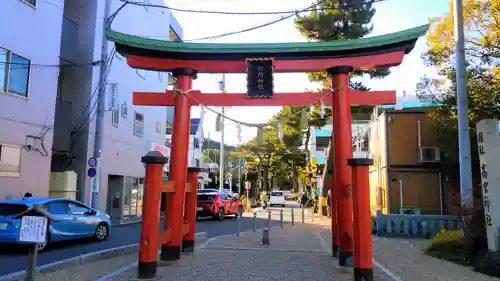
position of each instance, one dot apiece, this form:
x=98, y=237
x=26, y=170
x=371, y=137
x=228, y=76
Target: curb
x=200, y=237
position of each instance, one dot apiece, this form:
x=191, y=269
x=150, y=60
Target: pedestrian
x=303, y=200
x=329, y=203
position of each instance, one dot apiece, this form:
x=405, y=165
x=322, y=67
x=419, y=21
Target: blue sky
x=391, y=16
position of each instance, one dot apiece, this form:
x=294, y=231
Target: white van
x=277, y=198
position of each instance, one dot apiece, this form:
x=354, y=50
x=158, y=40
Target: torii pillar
x=342, y=232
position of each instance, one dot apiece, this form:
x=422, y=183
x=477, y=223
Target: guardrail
x=424, y=226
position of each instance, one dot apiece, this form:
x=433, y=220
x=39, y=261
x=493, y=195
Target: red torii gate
x=338, y=58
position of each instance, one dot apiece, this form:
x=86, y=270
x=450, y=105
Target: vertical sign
x=112, y=102
x=488, y=142
x=260, y=82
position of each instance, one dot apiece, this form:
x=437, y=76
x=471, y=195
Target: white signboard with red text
x=163, y=150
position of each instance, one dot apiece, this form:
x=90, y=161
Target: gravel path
x=405, y=258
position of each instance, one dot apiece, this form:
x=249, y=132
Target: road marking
x=386, y=271
x=322, y=241
x=119, y=271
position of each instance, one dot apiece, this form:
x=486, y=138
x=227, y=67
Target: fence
x=424, y=226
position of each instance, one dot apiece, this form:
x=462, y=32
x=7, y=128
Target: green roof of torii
x=402, y=40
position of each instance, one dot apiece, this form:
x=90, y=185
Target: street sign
x=92, y=162
x=33, y=229
x=95, y=185
x=91, y=172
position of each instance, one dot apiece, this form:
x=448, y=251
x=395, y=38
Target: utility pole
x=222, y=88
x=101, y=108
x=239, y=160
x=463, y=113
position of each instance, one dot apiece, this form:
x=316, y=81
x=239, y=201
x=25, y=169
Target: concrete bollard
x=269, y=219
x=303, y=216
x=254, y=218
x=281, y=219
x=292, y=217
x=266, y=236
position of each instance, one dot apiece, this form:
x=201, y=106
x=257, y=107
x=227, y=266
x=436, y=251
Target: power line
x=82, y=122
x=311, y=9
x=20, y=65
x=257, y=26
x=346, y=5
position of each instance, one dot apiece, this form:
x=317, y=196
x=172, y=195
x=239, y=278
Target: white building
x=29, y=59
x=66, y=36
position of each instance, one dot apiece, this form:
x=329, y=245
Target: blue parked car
x=75, y=220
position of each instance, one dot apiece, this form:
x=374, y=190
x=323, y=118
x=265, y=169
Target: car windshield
x=276, y=193
x=11, y=209
x=206, y=191
x=206, y=197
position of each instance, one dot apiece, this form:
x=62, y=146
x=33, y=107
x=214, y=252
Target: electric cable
x=19, y=65
x=80, y=124
x=266, y=24
x=346, y=3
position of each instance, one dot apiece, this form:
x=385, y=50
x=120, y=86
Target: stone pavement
x=296, y=253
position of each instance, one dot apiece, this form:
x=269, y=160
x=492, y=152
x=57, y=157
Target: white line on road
x=386, y=271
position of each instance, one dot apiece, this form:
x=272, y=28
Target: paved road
x=12, y=261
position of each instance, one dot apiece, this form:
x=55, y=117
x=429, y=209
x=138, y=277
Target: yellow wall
x=378, y=172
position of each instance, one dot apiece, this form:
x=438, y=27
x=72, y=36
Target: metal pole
x=303, y=216
x=401, y=196
x=238, y=225
x=281, y=218
x=239, y=176
x=223, y=112
x=254, y=221
x=32, y=255
x=101, y=107
x=463, y=114
x=269, y=219
x=293, y=216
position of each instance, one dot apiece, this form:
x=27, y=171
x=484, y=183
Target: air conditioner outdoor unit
x=430, y=154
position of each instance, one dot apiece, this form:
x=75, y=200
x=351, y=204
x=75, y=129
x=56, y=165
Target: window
x=10, y=160
x=58, y=207
x=115, y=117
x=31, y=2
x=173, y=36
x=160, y=76
x=14, y=73
x=139, y=125
x=77, y=209
x=124, y=110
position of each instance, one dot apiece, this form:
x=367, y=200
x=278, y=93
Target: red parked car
x=218, y=205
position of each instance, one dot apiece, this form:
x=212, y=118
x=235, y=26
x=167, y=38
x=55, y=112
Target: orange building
x=407, y=172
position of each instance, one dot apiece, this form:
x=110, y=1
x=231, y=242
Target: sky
x=391, y=16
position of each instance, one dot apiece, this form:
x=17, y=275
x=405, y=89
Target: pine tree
x=339, y=20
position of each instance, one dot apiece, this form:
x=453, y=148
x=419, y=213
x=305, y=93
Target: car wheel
x=220, y=214
x=239, y=213
x=101, y=232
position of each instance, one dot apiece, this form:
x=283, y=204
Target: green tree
x=482, y=44
x=339, y=20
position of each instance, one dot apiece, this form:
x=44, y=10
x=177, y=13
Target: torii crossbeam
x=338, y=58
x=279, y=99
